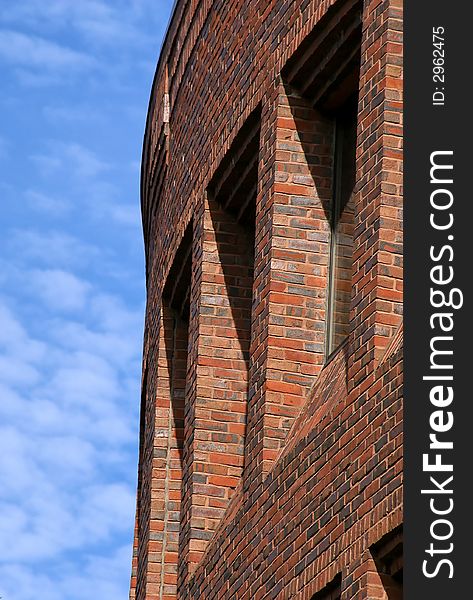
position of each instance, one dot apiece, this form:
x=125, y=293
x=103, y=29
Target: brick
x=265, y=470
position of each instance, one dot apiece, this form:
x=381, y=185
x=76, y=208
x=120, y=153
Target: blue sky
x=75, y=77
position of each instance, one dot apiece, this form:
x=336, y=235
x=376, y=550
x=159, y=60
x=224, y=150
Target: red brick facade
x=271, y=467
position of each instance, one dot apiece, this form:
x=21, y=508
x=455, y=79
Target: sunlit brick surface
x=266, y=472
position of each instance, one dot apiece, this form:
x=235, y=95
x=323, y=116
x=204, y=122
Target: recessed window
x=332, y=591
x=325, y=70
x=228, y=277
x=388, y=557
x=169, y=413
x=175, y=334
x=341, y=226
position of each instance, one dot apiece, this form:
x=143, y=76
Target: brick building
x=271, y=414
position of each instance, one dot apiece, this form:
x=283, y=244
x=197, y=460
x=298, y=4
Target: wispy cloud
x=70, y=113
x=71, y=387
x=71, y=158
x=47, y=203
x=85, y=173
x=127, y=214
x=22, y=50
x=71, y=290
x=98, y=577
x=60, y=290
x=50, y=248
x=98, y=21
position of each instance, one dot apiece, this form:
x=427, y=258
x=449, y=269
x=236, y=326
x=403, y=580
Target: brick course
x=266, y=472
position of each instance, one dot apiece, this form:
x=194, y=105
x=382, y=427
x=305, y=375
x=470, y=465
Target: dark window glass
x=342, y=226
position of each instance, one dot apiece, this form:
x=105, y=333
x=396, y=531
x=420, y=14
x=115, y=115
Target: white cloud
x=51, y=248
x=60, y=290
x=47, y=164
x=127, y=214
x=89, y=382
x=14, y=370
x=97, y=21
x=71, y=159
x=47, y=204
x=87, y=185
x=85, y=173
x=68, y=113
x=99, y=577
x=115, y=316
x=66, y=403
x=15, y=339
x=21, y=50
x=71, y=300
x=77, y=453
x=85, y=163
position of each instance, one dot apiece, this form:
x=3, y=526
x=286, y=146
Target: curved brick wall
x=265, y=470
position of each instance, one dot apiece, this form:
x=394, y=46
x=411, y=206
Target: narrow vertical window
x=341, y=226
x=332, y=591
x=169, y=417
x=388, y=557
x=176, y=310
x=325, y=70
x=231, y=236
x=232, y=208
x=225, y=275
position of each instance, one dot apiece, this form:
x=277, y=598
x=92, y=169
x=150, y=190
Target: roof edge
x=162, y=52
